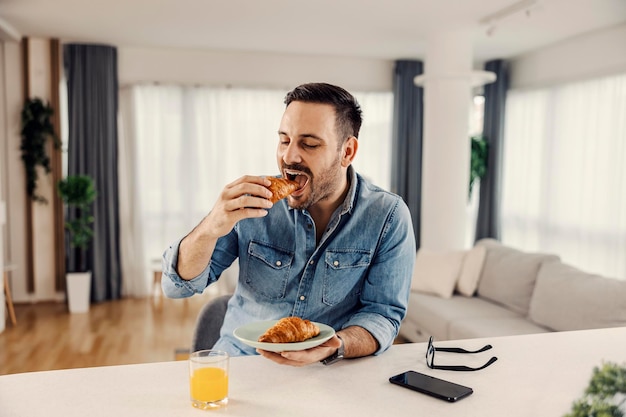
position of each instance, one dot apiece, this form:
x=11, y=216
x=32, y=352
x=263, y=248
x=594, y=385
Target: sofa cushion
x=434, y=315
x=471, y=270
x=567, y=298
x=436, y=272
x=492, y=327
x=509, y=275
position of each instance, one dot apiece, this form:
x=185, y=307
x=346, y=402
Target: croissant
x=281, y=188
x=290, y=329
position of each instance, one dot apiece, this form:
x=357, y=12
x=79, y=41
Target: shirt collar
x=348, y=203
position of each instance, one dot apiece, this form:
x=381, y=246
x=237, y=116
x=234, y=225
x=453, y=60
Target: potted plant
x=78, y=192
x=37, y=128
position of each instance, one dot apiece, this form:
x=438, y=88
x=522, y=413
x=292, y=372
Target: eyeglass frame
x=431, y=349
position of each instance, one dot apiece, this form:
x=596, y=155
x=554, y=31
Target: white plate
x=250, y=333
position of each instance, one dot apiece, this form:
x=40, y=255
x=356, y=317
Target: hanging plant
x=479, y=160
x=37, y=128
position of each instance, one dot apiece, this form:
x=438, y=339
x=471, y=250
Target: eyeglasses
x=430, y=357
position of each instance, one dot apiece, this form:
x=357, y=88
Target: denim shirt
x=358, y=275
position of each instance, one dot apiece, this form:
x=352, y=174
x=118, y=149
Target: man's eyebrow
x=303, y=136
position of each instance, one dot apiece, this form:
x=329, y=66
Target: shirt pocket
x=268, y=269
x=344, y=273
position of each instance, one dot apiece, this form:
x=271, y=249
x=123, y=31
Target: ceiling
x=382, y=29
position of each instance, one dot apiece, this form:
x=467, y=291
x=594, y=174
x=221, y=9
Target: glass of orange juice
x=208, y=379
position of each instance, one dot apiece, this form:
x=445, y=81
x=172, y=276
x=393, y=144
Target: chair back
x=209, y=323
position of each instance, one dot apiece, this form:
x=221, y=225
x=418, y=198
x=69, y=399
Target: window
x=564, y=173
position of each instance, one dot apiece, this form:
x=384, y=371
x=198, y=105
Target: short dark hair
x=347, y=110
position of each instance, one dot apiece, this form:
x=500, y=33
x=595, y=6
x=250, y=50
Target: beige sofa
x=495, y=290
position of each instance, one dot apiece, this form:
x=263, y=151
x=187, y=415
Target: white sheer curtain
x=373, y=159
x=564, y=184
x=183, y=144
x=135, y=269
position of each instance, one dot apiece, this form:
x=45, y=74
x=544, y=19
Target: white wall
x=592, y=55
x=251, y=69
x=12, y=182
x=2, y=185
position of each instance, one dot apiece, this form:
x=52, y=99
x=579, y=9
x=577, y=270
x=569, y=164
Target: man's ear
x=349, y=149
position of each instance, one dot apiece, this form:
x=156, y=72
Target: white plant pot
x=78, y=291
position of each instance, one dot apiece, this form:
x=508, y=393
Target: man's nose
x=291, y=154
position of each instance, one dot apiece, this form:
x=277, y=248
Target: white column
x=447, y=82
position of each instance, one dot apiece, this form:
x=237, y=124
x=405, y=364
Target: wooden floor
x=112, y=333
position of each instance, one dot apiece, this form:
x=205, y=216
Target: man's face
x=308, y=151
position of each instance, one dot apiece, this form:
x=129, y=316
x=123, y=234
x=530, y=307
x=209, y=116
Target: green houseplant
x=606, y=394
x=479, y=160
x=78, y=192
x=36, y=130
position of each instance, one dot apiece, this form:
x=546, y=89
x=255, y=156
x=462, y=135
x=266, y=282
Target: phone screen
x=430, y=385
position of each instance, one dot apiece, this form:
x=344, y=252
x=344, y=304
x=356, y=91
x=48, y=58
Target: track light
x=493, y=20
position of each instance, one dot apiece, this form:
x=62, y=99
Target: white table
x=536, y=375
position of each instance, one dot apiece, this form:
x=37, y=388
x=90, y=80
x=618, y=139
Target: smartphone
x=438, y=388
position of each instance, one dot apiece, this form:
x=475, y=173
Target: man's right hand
x=247, y=197
x=244, y=198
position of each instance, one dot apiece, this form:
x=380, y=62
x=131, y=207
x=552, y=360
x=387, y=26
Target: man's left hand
x=304, y=357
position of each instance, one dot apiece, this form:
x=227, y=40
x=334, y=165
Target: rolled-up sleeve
x=172, y=284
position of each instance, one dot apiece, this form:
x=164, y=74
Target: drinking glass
x=208, y=379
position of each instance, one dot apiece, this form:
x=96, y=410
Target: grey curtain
x=92, y=87
x=488, y=221
x=406, y=174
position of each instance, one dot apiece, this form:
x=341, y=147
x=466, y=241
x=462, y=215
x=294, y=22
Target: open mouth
x=298, y=176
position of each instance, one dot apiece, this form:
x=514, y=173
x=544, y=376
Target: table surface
x=537, y=375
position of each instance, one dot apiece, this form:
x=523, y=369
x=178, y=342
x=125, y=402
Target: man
x=338, y=251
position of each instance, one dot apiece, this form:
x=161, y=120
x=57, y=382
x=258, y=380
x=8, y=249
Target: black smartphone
x=444, y=390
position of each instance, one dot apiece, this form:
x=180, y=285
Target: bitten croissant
x=281, y=188
x=290, y=329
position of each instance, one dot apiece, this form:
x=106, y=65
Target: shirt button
x=302, y=298
x=278, y=263
x=336, y=263
x=311, y=262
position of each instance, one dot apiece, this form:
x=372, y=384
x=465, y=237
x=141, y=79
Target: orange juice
x=209, y=384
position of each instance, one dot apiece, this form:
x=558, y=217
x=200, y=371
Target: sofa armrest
x=567, y=298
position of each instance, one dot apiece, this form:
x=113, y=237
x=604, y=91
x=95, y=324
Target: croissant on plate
x=290, y=329
x=281, y=188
